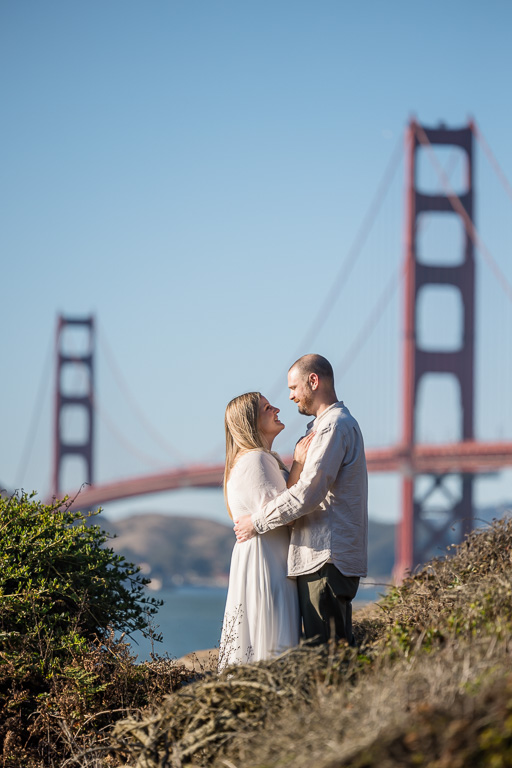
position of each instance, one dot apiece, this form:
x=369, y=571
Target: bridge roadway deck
x=468, y=457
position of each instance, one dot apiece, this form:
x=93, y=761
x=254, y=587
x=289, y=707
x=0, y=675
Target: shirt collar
x=314, y=424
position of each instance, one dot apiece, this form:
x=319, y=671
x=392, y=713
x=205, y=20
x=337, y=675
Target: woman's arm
x=299, y=457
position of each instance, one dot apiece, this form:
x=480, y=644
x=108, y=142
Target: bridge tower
x=430, y=510
x=74, y=396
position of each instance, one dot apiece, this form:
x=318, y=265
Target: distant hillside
x=190, y=550
x=174, y=550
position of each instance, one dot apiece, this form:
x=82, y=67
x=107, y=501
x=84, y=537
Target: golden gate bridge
x=420, y=532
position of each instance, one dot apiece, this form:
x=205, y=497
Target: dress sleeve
x=258, y=480
x=323, y=461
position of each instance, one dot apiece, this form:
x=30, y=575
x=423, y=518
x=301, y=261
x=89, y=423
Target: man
x=328, y=506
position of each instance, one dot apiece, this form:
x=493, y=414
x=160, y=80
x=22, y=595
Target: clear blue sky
x=195, y=174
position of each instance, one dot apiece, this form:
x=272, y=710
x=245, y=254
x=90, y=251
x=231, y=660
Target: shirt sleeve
x=323, y=461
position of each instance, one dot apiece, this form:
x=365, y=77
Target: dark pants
x=325, y=599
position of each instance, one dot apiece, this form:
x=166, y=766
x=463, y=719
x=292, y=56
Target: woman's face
x=268, y=421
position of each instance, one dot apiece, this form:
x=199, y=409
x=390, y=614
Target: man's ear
x=313, y=381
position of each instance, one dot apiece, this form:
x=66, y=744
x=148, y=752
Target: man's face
x=301, y=392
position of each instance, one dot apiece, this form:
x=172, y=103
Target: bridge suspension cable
x=371, y=322
x=381, y=304
x=492, y=159
x=143, y=420
x=123, y=440
x=348, y=264
x=459, y=208
x=35, y=418
x=341, y=368
x=146, y=458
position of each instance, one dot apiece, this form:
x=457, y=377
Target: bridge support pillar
x=431, y=509
x=74, y=397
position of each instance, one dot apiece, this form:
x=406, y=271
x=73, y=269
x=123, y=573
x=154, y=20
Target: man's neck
x=324, y=405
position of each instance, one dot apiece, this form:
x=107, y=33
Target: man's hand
x=244, y=529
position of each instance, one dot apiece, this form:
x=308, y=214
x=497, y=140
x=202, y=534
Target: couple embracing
x=301, y=535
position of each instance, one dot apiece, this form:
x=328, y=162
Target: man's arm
x=323, y=462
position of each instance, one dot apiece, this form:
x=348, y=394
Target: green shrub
x=63, y=595
x=59, y=581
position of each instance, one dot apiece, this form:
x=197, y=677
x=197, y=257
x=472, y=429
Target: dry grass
x=219, y=712
x=68, y=721
x=410, y=714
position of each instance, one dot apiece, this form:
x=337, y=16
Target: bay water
x=191, y=619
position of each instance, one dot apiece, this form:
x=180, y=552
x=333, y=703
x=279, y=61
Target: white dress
x=262, y=611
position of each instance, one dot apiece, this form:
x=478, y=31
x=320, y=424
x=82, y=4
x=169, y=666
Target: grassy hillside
x=429, y=685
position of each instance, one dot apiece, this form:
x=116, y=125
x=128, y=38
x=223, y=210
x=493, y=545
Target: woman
x=262, y=613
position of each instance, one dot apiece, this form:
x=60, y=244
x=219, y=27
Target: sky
x=197, y=175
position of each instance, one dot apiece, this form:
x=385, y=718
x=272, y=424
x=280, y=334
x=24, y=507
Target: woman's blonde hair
x=242, y=433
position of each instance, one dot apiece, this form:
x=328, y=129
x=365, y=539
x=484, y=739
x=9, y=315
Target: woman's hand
x=244, y=529
x=302, y=447
x=299, y=457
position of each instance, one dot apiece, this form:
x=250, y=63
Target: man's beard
x=306, y=406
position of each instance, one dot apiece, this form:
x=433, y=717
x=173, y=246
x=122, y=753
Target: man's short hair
x=314, y=364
